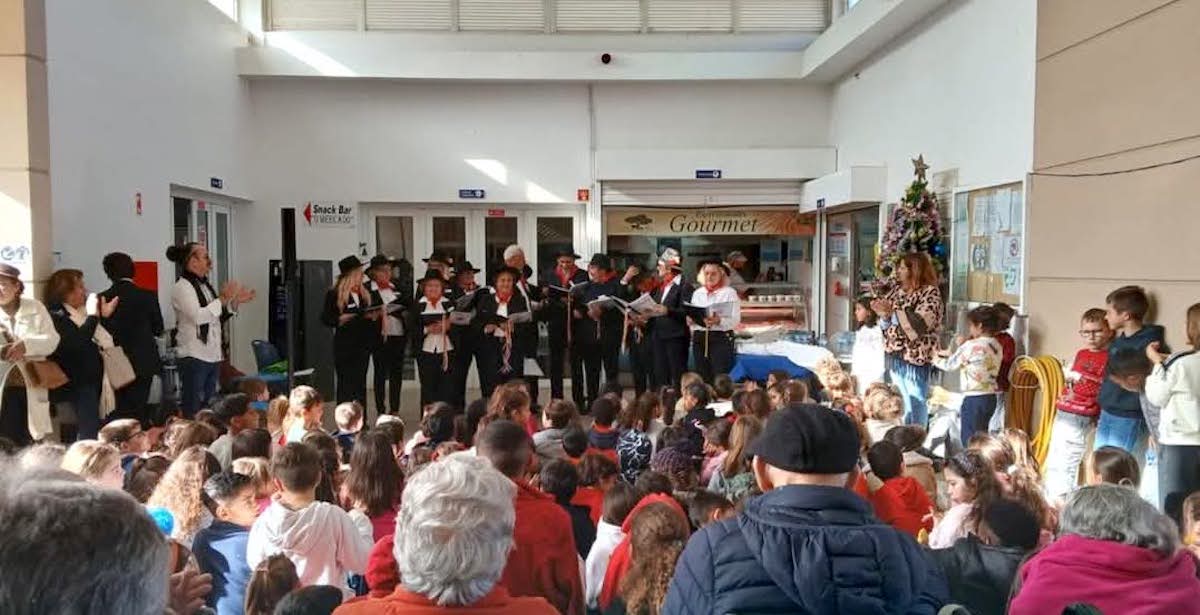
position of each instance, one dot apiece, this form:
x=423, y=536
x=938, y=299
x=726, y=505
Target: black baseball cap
x=808, y=439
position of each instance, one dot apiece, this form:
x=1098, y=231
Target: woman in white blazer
x=26, y=333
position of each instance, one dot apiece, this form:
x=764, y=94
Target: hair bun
x=177, y=254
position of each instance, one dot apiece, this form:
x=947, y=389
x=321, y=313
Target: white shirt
x=392, y=326
x=435, y=342
x=724, y=294
x=501, y=311
x=190, y=313
x=866, y=359
x=321, y=540
x=608, y=536
x=1174, y=386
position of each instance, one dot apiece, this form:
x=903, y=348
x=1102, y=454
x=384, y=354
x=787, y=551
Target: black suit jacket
x=76, y=354
x=357, y=336
x=486, y=307
x=673, y=324
x=134, y=325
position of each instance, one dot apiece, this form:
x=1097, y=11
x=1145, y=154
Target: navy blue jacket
x=1115, y=400
x=805, y=549
x=220, y=550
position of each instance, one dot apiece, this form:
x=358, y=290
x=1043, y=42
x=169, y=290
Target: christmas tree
x=915, y=226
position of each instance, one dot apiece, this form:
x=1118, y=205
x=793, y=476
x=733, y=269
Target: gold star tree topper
x=919, y=167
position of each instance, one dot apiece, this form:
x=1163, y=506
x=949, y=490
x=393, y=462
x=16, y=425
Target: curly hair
x=181, y=490
x=509, y=401
x=657, y=538
x=1018, y=481
x=975, y=469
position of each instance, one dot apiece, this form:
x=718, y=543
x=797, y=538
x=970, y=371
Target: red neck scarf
x=433, y=301
x=385, y=285
x=712, y=289
x=667, y=279
x=503, y=297
x=564, y=275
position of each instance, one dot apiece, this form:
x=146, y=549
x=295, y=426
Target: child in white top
x=866, y=359
x=1174, y=386
x=978, y=361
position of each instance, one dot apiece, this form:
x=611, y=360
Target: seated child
x=574, y=443
x=603, y=436
x=706, y=507
x=883, y=409
x=128, y=437
x=597, y=474
x=618, y=502
x=1115, y=466
x=319, y=537
x=349, y=417
x=560, y=478
x=973, y=487
x=556, y=417
x=258, y=469
x=900, y=502
x=918, y=463
x=220, y=548
x=716, y=447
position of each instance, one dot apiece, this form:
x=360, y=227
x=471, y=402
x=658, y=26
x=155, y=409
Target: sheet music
x=460, y=317
x=724, y=309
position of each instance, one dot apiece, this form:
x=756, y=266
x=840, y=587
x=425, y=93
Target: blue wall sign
x=708, y=173
x=471, y=193
x=216, y=182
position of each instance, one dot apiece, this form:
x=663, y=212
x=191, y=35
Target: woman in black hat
x=388, y=356
x=499, y=312
x=348, y=309
x=435, y=340
x=712, y=337
x=598, y=329
x=558, y=283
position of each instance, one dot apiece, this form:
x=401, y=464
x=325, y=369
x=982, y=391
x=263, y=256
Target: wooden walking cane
x=625, y=333
x=445, y=345
x=706, y=330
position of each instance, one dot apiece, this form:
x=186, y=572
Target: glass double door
x=478, y=236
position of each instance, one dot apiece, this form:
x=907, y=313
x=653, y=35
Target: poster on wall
x=839, y=245
x=709, y=222
x=18, y=255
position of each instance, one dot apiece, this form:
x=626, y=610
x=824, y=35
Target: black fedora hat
x=466, y=267
x=380, y=260
x=513, y=271
x=566, y=252
x=439, y=256
x=348, y=264
x=602, y=261
x=713, y=261
x=432, y=275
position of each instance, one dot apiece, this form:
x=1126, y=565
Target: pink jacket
x=1114, y=577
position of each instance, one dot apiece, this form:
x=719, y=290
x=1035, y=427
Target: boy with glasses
x=1078, y=406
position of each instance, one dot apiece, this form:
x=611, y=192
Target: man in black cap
x=558, y=283
x=597, y=329
x=808, y=544
x=388, y=356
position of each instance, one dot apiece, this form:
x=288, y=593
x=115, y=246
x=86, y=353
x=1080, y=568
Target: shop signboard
x=667, y=222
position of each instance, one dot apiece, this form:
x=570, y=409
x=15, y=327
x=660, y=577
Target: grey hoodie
x=320, y=539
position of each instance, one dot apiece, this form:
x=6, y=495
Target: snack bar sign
x=330, y=215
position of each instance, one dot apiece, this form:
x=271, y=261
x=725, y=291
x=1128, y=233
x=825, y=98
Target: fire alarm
x=606, y=58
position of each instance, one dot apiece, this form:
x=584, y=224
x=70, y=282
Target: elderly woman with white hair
x=525, y=335
x=453, y=535
x=1114, y=552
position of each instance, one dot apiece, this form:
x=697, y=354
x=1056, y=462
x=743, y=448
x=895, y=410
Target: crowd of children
x=276, y=514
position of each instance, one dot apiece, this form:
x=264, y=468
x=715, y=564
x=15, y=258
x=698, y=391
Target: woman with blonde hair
x=96, y=462
x=659, y=533
x=304, y=412
x=356, y=329
x=911, y=318
x=181, y=491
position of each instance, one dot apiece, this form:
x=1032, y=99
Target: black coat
x=76, y=354
x=673, y=324
x=980, y=576
x=358, y=335
x=134, y=325
x=486, y=307
x=805, y=549
x=554, y=306
x=611, y=322
x=416, y=325
x=526, y=335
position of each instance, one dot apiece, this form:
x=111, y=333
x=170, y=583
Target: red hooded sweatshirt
x=544, y=561
x=383, y=574
x=1113, y=577
x=622, y=560
x=903, y=504
x=404, y=602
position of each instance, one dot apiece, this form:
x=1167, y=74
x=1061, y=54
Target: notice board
x=989, y=244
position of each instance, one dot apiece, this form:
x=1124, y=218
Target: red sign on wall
x=583, y=195
x=495, y=213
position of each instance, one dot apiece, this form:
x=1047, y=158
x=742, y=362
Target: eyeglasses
x=1091, y=332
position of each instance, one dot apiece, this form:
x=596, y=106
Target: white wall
x=958, y=88
x=143, y=94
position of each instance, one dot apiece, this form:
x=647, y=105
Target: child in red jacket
x=901, y=502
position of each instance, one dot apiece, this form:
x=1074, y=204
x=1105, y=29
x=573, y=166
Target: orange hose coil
x=1031, y=376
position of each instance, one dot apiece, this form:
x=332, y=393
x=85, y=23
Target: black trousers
x=437, y=384
x=670, y=360
x=388, y=361
x=468, y=348
x=558, y=360
x=641, y=363
x=720, y=356
x=133, y=399
x=14, y=416
x=605, y=356
x=350, y=367
x=491, y=365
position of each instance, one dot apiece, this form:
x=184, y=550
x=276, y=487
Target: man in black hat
x=597, y=328
x=558, y=283
x=388, y=356
x=808, y=544
x=470, y=339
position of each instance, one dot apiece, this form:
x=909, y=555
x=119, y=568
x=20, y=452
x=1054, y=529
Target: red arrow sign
x=308, y=213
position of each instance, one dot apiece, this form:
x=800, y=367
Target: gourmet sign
x=663, y=223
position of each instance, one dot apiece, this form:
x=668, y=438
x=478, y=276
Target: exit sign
x=708, y=173
x=495, y=213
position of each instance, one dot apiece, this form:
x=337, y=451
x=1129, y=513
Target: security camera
x=606, y=58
